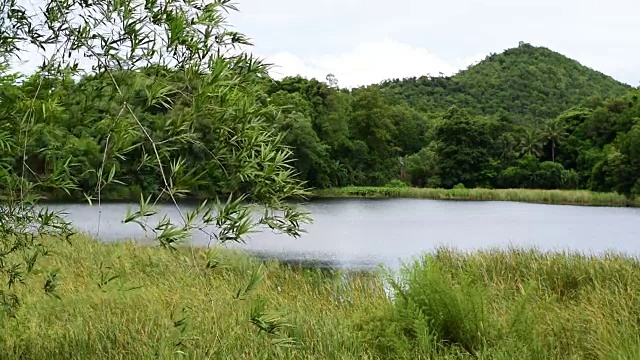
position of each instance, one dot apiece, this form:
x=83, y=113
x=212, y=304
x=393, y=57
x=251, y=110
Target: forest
x=525, y=118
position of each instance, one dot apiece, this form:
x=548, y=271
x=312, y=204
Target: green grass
x=566, y=197
x=495, y=304
x=514, y=304
x=310, y=307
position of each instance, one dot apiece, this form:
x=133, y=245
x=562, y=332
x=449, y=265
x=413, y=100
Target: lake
x=363, y=233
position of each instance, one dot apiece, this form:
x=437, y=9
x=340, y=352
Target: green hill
x=521, y=83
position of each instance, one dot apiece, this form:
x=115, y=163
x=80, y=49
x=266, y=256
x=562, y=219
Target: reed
x=565, y=197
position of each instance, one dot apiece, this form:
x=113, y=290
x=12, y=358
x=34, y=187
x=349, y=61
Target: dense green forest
x=525, y=118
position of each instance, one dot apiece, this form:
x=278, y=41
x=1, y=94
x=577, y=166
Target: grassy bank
x=566, y=197
x=489, y=305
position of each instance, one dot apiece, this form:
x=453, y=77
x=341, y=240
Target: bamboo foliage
x=176, y=57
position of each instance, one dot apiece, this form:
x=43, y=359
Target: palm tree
x=555, y=134
x=506, y=143
x=530, y=142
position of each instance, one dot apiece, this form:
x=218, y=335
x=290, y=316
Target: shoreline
x=550, y=197
x=531, y=196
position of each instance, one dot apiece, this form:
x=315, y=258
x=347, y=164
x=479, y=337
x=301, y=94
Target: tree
x=506, y=143
x=372, y=123
x=332, y=80
x=410, y=129
x=464, y=147
x=310, y=156
x=423, y=167
x=530, y=142
x=619, y=169
x=555, y=134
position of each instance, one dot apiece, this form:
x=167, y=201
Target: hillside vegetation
x=523, y=84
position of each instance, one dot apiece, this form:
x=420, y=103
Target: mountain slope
x=521, y=83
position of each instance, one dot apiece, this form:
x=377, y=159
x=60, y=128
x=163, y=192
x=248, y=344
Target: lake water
x=363, y=233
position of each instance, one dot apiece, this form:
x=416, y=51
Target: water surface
x=363, y=233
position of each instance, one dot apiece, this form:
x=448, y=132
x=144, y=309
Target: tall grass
x=127, y=301
x=568, y=197
x=512, y=304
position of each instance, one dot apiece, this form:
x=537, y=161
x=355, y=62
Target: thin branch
x=115, y=83
x=99, y=185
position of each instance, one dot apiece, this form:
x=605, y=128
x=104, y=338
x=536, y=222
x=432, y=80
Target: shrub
x=395, y=183
x=431, y=314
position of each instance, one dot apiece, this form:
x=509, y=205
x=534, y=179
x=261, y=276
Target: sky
x=367, y=41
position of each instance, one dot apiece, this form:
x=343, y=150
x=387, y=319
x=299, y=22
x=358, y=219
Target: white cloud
x=367, y=63
x=589, y=31
x=287, y=64
x=467, y=61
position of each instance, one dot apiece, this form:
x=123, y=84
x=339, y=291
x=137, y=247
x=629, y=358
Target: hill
x=521, y=83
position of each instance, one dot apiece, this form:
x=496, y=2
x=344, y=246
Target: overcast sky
x=366, y=41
